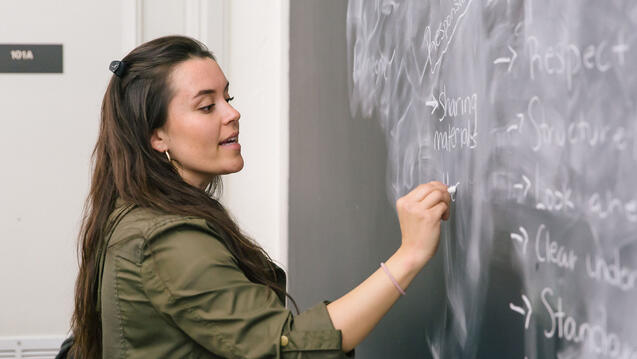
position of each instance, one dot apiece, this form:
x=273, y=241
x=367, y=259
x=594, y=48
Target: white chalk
x=452, y=189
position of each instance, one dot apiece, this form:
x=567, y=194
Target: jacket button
x=284, y=341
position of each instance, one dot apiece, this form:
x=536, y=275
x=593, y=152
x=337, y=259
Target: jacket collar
x=119, y=202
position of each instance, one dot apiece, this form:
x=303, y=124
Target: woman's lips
x=231, y=145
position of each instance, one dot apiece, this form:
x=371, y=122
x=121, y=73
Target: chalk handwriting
x=595, y=337
x=552, y=131
x=612, y=273
x=454, y=108
x=569, y=59
x=549, y=251
x=609, y=204
x=438, y=43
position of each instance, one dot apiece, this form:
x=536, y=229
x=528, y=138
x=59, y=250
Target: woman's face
x=201, y=132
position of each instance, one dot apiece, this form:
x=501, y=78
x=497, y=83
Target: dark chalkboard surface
x=530, y=107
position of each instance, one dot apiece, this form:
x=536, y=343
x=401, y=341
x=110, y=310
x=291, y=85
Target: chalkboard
x=529, y=107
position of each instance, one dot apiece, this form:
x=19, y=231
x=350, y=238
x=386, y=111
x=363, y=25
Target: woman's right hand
x=419, y=213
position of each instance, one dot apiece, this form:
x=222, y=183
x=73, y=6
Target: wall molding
x=44, y=347
x=132, y=24
x=196, y=19
x=209, y=21
x=205, y=20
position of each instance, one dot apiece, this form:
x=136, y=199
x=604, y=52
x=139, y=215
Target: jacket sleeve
x=193, y=280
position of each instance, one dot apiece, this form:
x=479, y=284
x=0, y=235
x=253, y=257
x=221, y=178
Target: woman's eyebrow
x=203, y=92
x=209, y=91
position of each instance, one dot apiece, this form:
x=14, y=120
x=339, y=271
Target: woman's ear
x=158, y=140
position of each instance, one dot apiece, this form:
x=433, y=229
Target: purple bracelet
x=393, y=280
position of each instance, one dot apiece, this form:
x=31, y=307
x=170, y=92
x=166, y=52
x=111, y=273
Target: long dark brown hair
x=126, y=166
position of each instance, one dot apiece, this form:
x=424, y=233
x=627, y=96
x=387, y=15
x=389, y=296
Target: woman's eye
x=207, y=108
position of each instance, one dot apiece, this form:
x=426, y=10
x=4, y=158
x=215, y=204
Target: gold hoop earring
x=168, y=156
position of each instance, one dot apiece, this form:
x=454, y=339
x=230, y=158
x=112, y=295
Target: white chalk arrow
x=513, y=125
x=432, y=103
x=523, y=238
x=517, y=126
x=523, y=186
x=507, y=60
x=490, y=1
x=527, y=313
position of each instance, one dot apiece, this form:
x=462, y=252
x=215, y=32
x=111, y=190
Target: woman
x=165, y=272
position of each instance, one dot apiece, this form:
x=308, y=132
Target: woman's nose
x=231, y=114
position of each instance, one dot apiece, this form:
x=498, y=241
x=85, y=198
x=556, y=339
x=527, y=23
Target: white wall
x=253, y=52
x=258, y=73
x=48, y=126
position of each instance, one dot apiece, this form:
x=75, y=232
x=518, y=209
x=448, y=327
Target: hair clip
x=117, y=67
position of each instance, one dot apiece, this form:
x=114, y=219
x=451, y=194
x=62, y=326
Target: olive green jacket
x=171, y=289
